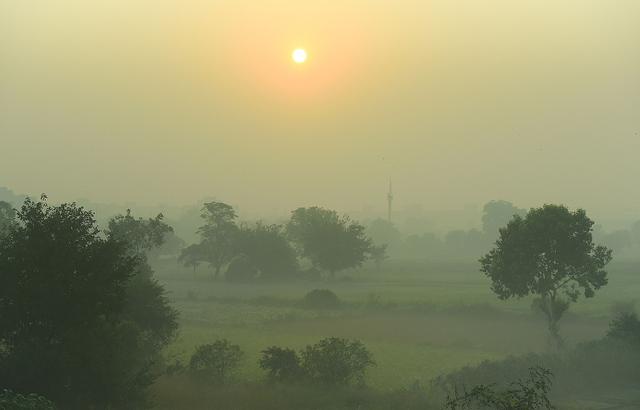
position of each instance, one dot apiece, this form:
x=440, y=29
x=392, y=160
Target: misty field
x=419, y=319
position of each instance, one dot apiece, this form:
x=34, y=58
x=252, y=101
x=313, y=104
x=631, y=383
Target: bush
x=625, y=326
x=529, y=394
x=336, y=361
x=216, y=361
x=282, y=365
x=14, y=401
x=321, y=299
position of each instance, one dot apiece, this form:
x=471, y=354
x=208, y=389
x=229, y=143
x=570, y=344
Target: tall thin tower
x=389, y=200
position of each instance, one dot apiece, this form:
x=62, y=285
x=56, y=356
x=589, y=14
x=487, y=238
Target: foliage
x=496, y=214
x=241, y=269
x=625, y=326
x=218, y=234
x=383, y=231
x=67, y=303
x=335, y=361
x=139, y=234
x=15, y=401
x=321, y=299
x=331, y=242
x=216, y=361
x=268, y=249
x=548, y=253
x=530, y=394
x=7, y=218
x=379, y=254
x=193, y=255
x=282, y=365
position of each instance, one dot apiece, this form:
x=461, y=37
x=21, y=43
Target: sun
x=299, y=55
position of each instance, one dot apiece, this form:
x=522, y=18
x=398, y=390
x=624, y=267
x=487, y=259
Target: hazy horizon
x=169, y=102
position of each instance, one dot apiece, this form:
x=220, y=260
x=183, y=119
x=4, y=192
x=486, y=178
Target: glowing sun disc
x=299, y=55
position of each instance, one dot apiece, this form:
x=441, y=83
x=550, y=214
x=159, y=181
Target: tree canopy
x=69, y=329
x=330, y=241
x=548, y=253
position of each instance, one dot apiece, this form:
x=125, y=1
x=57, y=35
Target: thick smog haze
x=457, y=102
x=319, y=205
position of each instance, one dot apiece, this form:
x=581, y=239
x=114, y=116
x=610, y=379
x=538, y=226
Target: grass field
x=418, y=319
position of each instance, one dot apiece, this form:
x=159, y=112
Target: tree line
x=329, y=242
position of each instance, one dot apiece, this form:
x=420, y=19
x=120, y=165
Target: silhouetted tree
x=548, y=253
x=379, y=254
x=268, y=250
x=140, y=235
x=625, y=326
x=331, y=242
x=215, y=362
x=67, y=328
x=336, y=361
x=383, y=231
x=193, y=255
x=218, y=234
x=282, y=365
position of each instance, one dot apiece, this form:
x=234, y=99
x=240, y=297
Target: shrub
x=216, y=361
x=625, y=326
x=529, y=394
x=282, y=365
x=321, y=299
x=14, y=401
x=336, y=361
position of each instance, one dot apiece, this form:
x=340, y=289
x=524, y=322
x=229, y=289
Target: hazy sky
x=458, y=101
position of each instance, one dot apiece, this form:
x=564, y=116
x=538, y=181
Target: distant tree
x=379, y=254
x=496, y=214
x=548, y=253
x=331, y=242
x=218, y=234
x=529, y=394
x=215, y=362
x=625, y=326
x=172, y=245
x=268, y=249
x=383, y=231
x=336, y=361
x=67, y=329
x=193, y=255
x=282, y=365
x=7, y=217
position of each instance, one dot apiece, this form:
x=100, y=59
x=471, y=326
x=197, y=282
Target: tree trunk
x=553, y=312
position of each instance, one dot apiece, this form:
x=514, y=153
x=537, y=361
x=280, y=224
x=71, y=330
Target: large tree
x=268, y=250
x=550, y=254
x=218, y=234
x=69, y=329
x=330, y=241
